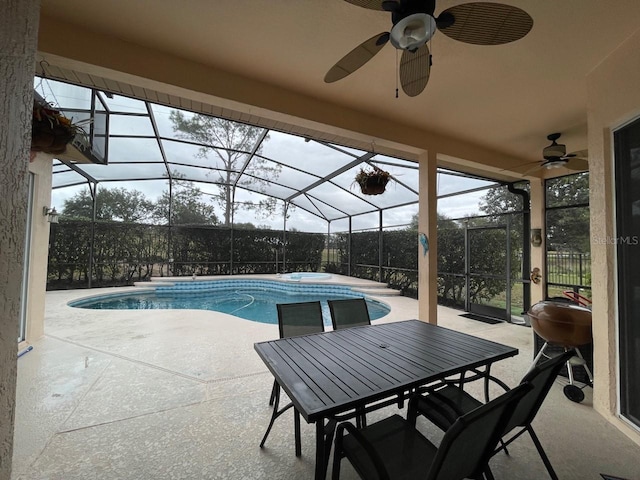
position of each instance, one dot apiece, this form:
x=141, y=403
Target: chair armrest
x=364, y=443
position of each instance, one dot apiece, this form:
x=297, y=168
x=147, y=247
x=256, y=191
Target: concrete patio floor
x=182, y=395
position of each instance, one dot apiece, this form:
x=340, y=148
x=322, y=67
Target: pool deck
x=182, y=394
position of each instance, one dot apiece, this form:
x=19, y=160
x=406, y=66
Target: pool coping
x=335, y=278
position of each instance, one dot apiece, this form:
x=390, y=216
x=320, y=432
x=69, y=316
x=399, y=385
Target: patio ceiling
x=500, y=102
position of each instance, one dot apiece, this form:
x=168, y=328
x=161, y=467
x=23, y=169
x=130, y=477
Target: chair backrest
x=541, y=378
x=350, y=312
x=299, y=318
x=467, y=445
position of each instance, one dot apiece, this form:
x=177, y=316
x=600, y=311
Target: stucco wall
x=18, y=33
x=613, y=99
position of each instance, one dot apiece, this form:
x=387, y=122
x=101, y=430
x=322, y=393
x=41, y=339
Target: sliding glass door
x=627, y=181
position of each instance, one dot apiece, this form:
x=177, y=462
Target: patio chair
x=444, y=405
x=294, y=319
x=394, y=449
x=350, y=312
x=347, y=313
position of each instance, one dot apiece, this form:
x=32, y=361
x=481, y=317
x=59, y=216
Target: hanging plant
x=372, y=181
x=51, y=131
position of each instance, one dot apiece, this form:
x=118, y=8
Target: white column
x=538, y=253
x=18, y=35
x=427, y=224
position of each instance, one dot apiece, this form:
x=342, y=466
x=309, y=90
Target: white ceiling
x=507, y=98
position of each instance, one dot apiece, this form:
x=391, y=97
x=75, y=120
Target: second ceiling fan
x=413, y=25
x=556, y=156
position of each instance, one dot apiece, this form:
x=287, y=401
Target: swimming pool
x=253, y=300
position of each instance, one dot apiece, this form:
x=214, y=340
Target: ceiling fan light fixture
x=555, y=164
x=413, y=31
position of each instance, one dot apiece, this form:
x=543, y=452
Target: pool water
x=255, y=304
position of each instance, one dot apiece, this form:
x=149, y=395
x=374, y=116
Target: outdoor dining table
x=340, y=374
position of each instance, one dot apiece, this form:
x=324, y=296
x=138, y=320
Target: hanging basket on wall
x=372, y=182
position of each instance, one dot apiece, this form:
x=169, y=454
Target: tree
x=488, y=256
x=116, y=204
x=499, y=200
x=187, y=207
x=568, y=228
x=231, y=143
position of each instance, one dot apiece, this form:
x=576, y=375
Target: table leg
x=296, y=426
x=324, y=439
x=487, y=373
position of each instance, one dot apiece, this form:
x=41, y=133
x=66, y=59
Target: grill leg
x=570, y=371
x=571, y=391
x=584, y=364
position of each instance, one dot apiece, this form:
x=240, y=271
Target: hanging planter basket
x=51, y=131
x=372, y=182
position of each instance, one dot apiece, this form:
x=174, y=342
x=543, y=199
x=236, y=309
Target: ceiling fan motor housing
x=402, y=9
x=554, y=151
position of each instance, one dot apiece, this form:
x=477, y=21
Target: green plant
x=332, y=268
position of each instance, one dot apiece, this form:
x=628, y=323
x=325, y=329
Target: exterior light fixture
x=536, y=237
x=51, y=214
x=413, y=31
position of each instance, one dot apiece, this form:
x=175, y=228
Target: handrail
x=576, y=297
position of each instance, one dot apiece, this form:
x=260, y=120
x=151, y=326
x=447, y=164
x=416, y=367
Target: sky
x=134, y=156
x=453, y=207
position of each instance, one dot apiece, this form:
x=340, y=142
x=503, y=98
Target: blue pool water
x=250, y=300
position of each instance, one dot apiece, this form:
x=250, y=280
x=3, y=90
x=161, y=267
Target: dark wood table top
x=329, y=373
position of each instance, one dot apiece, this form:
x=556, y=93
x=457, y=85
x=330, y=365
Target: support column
x=18, y=34
x=427, y=224
x=538, y=259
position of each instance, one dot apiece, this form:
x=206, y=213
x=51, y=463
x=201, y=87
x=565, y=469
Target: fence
x=569, y=268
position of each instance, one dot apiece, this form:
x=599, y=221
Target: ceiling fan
x=556, y=156
x=413, y=25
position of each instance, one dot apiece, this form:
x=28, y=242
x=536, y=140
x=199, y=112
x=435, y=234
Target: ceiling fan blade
x=581, y=154
x=370, y=4
x=578, y=164
x=485, y=23
x=521, y=166
x=357, y=57
x=533, y=169
x=414, y=70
